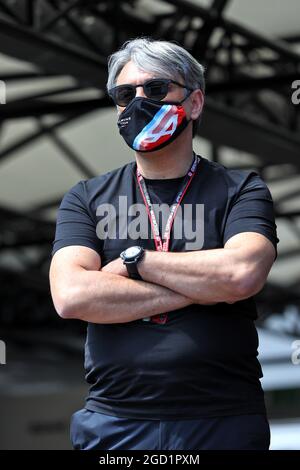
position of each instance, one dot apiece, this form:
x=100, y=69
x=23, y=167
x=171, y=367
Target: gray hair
x=160, y=58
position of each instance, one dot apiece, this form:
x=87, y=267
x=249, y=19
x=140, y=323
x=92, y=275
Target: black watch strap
x=133, y=271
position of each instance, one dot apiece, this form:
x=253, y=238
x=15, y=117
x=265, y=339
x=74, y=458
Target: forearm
x=101, y=297
x=207, y=276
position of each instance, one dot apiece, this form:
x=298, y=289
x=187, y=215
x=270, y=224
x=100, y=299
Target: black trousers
x=96, y=431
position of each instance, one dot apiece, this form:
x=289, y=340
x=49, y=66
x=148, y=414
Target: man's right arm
x=81, y=291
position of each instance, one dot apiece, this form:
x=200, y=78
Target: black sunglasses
x=155, y=88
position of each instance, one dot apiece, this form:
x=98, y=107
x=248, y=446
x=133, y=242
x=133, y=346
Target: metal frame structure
x=248, y=105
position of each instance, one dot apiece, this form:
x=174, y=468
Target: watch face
x=132, y=252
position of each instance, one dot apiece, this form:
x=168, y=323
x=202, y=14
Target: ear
x=118, y=110
x=197, y=102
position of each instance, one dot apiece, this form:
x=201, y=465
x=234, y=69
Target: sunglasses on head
x=155, y=88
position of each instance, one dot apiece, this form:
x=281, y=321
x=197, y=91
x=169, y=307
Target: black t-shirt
x=203, y=360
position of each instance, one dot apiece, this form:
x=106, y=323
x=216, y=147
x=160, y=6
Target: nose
x=140, y=92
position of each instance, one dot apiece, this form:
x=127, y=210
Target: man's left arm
x=235, y=272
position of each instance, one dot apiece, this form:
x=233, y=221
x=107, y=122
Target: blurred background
x=58, y=127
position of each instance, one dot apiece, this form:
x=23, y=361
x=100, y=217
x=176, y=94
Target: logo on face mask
x=148, y=125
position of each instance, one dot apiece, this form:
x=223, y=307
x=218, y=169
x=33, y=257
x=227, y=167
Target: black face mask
x=147, y=125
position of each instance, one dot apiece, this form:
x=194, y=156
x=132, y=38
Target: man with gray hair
x=171, y=349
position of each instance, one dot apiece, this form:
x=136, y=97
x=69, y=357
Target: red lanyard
x=162, y=244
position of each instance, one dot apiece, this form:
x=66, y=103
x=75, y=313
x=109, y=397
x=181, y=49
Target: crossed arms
x=81, y=289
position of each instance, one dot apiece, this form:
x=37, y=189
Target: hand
x=116, y=267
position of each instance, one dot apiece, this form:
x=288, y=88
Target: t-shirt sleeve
x=75, y=224
x=252, y=211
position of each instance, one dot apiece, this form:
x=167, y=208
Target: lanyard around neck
x=163, y=243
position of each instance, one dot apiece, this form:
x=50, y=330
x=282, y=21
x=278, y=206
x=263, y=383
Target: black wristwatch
x=131, y=256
